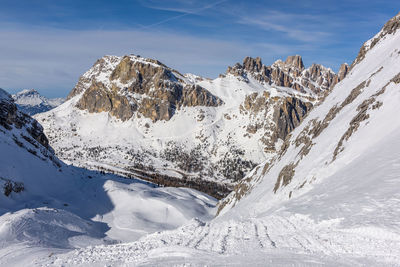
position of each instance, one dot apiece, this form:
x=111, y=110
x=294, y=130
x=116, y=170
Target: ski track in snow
x=295, y=234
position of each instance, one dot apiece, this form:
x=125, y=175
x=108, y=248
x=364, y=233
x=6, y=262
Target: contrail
x=185, y=14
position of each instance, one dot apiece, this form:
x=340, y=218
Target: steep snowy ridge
x=31, y=102
x=354, y=107
x=48, y=207
x=136, y=116
x=330, y=197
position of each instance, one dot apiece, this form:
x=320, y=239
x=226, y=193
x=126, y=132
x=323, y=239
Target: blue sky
x=48, y=44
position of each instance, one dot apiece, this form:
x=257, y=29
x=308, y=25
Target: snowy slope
x=31, y=102
x=331, y=197
x=48, y=207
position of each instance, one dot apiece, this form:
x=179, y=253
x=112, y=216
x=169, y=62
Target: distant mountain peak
x=32, y=102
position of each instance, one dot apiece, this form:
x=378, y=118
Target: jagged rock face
x=10, y=117
x=143, y=85
x=288, y=116
x=289, y=73
x=103, y=66
x=251, y=64
x=287, y=113
x=344, y=69
x=295, y=61
x=98, y=99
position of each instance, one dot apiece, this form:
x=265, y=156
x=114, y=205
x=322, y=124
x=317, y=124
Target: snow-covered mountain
x=329, y=197
x=48, y=207
x=31, y=102
x=136, y=116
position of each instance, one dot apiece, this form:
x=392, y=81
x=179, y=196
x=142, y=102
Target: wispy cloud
x=299, y=27
x=185, y=7
x=181, y=6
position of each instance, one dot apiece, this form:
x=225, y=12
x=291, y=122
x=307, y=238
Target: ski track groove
x=236, y=237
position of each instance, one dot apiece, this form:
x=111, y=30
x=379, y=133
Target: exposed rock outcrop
x=288, y=116
x=344, y=69
x=290, y=73
x=136, y=84
x=98, y=99
x=287, y=113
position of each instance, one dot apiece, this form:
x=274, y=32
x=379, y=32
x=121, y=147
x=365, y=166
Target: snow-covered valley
x=326, y=194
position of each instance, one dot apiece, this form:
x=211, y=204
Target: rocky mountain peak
x=129, y=85
x=252, y=64
x=31, y=94
x=295, y=61
x=289, y=73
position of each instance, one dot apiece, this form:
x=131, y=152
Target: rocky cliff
x=142, y=86
x=290, y=73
